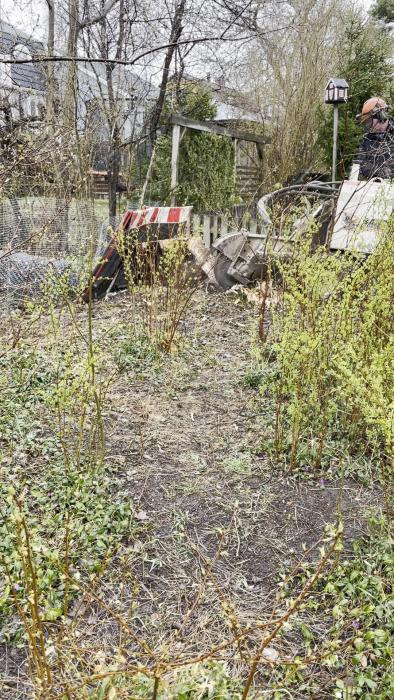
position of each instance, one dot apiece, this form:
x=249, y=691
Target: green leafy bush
x=58, y=500
x=206, y=161
x=329, y=358
x=356, y=604
x=209, y=681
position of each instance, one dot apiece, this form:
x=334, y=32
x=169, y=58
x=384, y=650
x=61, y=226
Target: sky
x=27, y=15
x=30, y=15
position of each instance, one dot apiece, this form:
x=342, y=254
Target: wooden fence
x=211, y=226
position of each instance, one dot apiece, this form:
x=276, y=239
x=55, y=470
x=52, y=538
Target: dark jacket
x=376, y=155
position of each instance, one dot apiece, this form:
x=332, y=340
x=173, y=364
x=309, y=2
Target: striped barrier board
x=156, y=215
x=107, y=271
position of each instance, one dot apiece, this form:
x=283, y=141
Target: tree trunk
x=175, y=35
x=70, y=111
x=50, y=101
x=113, y=170
x=113, y=112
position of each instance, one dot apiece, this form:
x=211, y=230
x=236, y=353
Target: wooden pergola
x=181, y=123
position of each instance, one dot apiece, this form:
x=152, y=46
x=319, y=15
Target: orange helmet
x=371, y=107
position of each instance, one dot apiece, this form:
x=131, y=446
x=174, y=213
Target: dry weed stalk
x=160, y=284
x=59, y=654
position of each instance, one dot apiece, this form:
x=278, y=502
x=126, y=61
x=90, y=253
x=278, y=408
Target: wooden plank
x=214, y=229
x=248, y=169
x=212, y=128
x=245, y=179
x=196, y=226
x=235, y=143
x=223, y=227
x=206, y=230
x=176, y=135
x=246, y=174
x=248, y=186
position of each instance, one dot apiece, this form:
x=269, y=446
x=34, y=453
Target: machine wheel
x=221, y=272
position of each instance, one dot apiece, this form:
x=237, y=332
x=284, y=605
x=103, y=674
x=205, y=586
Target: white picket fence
x=212, y=226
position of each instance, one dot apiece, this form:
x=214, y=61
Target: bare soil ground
x=187, y=439
x=185, y=435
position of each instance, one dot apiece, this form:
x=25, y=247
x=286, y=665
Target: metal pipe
x=334, y=144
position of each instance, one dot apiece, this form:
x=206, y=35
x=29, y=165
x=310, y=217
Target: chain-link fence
x=43, y=237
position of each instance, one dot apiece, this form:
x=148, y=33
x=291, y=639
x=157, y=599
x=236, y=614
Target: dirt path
x=187, y=441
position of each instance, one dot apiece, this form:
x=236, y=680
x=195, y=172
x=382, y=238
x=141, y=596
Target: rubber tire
x=224, y=280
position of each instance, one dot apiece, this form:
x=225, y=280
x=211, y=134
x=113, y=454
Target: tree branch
x=108, y=6
x=123, y=62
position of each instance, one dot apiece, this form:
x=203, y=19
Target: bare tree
x=294, y=49
x=75, y=26
x=50, y=109
x=283, y=63
x=175, y=34
x=112, y=111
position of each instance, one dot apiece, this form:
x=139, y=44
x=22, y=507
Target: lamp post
x=336, y=94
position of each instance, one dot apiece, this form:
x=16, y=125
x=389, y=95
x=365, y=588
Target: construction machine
x=350, y=218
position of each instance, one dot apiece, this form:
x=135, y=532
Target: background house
x=22, y=86
x=23, y=95
x=133, y=100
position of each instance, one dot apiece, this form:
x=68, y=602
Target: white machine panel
x=361, y=210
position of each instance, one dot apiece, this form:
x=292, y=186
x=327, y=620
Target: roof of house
x=127, y=84
x=15, y=44
x=32, y=75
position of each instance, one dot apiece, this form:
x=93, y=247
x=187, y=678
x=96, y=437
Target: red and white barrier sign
x=156, y=215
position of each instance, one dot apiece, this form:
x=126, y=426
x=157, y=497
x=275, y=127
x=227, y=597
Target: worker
x=375, y=156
